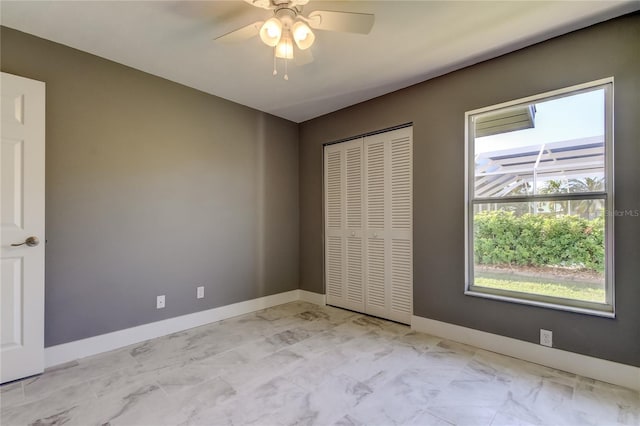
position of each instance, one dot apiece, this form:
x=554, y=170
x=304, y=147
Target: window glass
x=539, y=194
x=558, y=147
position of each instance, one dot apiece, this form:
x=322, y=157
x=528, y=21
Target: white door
x=388, y=195
x=376, y=182
x=400, y=225
x=334, y=224
x=22, y=163
x=369, y=224
x=343, y=225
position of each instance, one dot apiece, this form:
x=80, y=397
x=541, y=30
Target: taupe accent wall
x=436, y=108
x=154, y=188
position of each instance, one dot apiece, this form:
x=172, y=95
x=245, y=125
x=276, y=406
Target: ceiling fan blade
x=302, y=57
x=241, y=34
x=265, y=4
x=345, y=22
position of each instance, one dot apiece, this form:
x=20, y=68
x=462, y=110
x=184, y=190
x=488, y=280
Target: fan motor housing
x=286, y=15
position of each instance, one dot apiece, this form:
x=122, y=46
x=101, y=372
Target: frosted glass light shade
x=284, y=49
x=271, y=32
x=302, y=35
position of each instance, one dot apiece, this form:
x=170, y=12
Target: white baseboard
x=607, y=371
x=71, y=351
x=311, y=297
x=595, y=368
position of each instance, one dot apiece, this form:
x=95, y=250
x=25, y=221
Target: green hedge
x=501, y=237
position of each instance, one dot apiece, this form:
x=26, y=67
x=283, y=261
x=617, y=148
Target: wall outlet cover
x=546, y=337
x=200, y=292
x=160, y=302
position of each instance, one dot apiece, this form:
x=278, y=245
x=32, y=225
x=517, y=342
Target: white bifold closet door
x=368, y=224
x=344, y=251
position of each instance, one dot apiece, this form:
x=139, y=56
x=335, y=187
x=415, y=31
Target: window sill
x=606, y=312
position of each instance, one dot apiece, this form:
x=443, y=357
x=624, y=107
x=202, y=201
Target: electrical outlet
x=160, y=302
x=200, y=292
x=546, y=337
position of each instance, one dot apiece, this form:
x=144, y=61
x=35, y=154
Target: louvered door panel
x=334, y=190
x=401, y=225
x=369, y=225
x=354, y=185
x=334, y=257
x=401, y=188
x=401, y=280
x=375, y=183
x=376, y=194
x=376, y=289
x=353, y=213
x=354, y=271
x=334, y=224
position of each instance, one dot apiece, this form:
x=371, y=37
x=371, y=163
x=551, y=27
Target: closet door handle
x=353, y=234
x=375, y=235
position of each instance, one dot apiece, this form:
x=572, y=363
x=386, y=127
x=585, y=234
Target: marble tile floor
x=304, y=364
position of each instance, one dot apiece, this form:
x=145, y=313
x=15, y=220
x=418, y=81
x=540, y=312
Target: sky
x=570, y=117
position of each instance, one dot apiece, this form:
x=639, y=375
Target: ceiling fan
x=288, y=28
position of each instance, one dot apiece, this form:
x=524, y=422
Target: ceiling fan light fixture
x=284, y=49
x=271, y=32
x=302, y=35
x=288, y=27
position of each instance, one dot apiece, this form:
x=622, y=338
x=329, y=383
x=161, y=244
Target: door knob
x=375, y=235
x=31, y=242
x=353, y=234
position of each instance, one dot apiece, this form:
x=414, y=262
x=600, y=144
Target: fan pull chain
x=275, y=66
x=275, y=71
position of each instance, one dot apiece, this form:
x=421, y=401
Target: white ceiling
x=411, y=41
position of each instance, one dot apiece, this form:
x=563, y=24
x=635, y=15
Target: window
x=539, y=214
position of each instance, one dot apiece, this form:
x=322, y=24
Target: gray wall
x=437, y=109
x=155, y=188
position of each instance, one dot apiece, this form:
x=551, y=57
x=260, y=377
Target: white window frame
x=606, y=309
